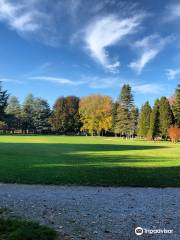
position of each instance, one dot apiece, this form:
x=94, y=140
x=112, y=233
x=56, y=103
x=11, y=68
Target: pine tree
x=41, y=115
x=28, y=112
x=176, y=106
x=144, y=120
x=165, y=116
x=3, y=102
x=13, y=112
x=125, y=120
x=154, y=130
x=134, y=113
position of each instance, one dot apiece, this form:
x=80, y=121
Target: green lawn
x=88, y=161
x=16, y=229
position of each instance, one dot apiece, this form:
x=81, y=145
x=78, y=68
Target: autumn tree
x=65, y=115
x=96, y=114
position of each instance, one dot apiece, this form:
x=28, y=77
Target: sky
x=53, y=48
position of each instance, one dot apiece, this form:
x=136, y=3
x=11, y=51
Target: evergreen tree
x=154, y=130
x=3, y=102
x=144, y=120
x=126, y=115
x=13, y=112
x=114, y=116
x=134, y=113
x=41, y=115
x=176, y=106
x=165, y=116
x=28, y=112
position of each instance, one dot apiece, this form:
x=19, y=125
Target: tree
x=96, y=114
x=176, y=106
x=28, y=112
x=165, y=116
x=144, y=120
x=13, y=112
x=154, y=130
x=126, y=113
x=41, y=115
x=134, y=113
x=65, y=116
x=3, y=102
x=174, y=134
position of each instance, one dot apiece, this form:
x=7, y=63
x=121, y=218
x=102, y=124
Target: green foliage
x=144, y=120
x=154, y=130
x=125, y=113
x=165, y=116
x=3, y=125
x=41, y=115
x=16, y=229
x=65, y=115
x=13, y=112
x=3, y=102
x=176, y=106
x=28, y=112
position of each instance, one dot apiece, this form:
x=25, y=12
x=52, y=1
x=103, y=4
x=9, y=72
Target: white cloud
x=151, y=88
x=19, y=17
x=105, y=32
x=148, y=48
x=58, y=80
x=173, y=73
x=10, y=80
x=173, y=12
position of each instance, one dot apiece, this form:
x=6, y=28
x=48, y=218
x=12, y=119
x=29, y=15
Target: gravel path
x=96, y=213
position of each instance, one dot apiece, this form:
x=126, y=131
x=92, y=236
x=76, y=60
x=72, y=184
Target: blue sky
x=80, y=47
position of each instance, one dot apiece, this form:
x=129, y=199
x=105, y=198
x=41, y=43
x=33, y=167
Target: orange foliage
x=174, y=134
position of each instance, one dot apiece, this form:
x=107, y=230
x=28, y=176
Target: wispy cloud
x=151, y=88
x=18, y=17
x=10, y=80
x=105, y=32
x=148, y=48
x=29, y=17
x=173, y=73
x=58, y=80
x=172, y=12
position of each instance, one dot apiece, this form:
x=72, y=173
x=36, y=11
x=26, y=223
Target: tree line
x=94, y=115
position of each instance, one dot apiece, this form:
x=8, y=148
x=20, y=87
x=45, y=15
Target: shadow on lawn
x=84, y=164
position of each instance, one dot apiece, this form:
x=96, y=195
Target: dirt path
x=96, y=213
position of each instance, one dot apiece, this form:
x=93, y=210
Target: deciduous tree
x=96, y=114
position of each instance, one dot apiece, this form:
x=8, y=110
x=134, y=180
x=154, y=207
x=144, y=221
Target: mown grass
x=16, y=229
x=93, y=161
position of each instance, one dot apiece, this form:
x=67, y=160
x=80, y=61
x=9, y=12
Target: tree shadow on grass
x=85, y=164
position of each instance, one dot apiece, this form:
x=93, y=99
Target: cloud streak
x=105, y=32
x=173, y=73
x=148, y=48
x=151, y=88
x=58, y=80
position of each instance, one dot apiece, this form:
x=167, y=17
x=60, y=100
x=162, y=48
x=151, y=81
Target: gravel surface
x=96, y=213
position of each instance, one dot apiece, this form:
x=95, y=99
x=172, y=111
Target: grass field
x=16, y=229
x=88, y=161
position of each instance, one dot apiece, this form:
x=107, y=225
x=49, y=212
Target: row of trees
x=95, y=115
